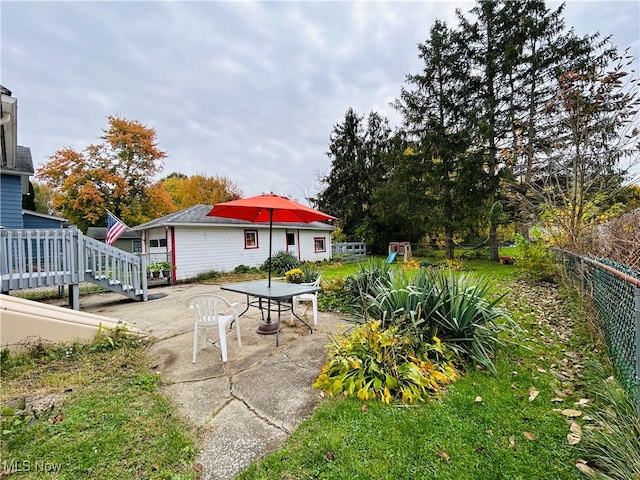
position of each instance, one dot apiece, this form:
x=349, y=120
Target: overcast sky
x=245, y=90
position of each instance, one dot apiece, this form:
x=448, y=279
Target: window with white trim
x=250, y=239
x=319, y=244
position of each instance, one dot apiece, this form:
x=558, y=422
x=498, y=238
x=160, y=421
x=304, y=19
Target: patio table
x=280, y=293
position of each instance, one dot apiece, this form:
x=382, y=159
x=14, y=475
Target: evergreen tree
x=444, y=170
x=357, y=150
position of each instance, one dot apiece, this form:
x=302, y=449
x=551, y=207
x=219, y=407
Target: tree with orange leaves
x=115, y=174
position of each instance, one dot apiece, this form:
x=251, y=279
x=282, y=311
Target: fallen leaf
x=541, y=370
x=480, y=448
x=557, y=399
x=444, y=455
x=575, y=428
x=586, y=469
x=198, y=467
x=529, y=436
x=573, y=439
x=512, y=442
x=489, y=432
x=570, y=412
x=364, y=408
x=582, y=402
x=329, y=455
x=576, y=433
x=533, y=393
x=478, y=399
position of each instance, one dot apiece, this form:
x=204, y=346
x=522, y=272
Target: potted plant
x=154, y=270
x=165, y=269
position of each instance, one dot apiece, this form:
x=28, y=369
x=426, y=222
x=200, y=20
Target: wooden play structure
x=399, y=248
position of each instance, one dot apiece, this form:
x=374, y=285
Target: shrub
x=361, y=284
x=245, y=269
x=281, y=262
x=294, y=275
x=310, y=271
x=453, y=307
x=377, y=363
x=466, y=317
x=535, y=258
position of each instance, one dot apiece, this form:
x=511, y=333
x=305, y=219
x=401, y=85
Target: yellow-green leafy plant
x=295, y=275
x=373, y=363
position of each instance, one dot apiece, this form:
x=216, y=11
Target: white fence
x=350, y=251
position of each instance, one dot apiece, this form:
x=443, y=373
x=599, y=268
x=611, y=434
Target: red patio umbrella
x=268, y=208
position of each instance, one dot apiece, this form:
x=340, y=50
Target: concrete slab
x=246, y=408
x=234, y=439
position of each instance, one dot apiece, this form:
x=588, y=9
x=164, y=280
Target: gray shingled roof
x=197, y=215
x=24, y=163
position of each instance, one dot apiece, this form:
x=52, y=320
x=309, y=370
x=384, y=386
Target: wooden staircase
x=49, y=257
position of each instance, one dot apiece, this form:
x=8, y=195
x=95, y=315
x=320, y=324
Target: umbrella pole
x=269, y=327
x=270, y=237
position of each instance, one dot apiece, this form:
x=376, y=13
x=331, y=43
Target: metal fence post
x=636, y=294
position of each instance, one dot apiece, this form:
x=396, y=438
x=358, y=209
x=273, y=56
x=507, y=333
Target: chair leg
x=314, y=302
x=223, y=341
x=195, y=342
x=237, y=324
x=203, y=338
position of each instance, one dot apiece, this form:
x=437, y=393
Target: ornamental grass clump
x=375, y=363
x=456, y=308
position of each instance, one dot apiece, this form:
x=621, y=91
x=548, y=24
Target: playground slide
x=392, y=257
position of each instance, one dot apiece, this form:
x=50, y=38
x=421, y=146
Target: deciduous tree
x=114, y=175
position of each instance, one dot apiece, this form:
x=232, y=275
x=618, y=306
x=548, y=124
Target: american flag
x=115, y=228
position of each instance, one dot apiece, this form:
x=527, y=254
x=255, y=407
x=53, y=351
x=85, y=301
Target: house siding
x=221, y=249
x=11, y=201
x=33, y=222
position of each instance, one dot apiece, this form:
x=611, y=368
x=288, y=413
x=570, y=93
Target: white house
x=195, y=243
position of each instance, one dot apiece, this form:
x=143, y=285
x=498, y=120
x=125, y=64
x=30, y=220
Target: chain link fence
x=615, y=292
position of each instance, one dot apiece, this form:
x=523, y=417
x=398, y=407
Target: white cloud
x=248, y=90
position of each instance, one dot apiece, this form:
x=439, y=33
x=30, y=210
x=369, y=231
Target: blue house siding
x=11, y=201
x=34, y=222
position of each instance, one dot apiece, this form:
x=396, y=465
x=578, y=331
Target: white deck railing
x=47, y=257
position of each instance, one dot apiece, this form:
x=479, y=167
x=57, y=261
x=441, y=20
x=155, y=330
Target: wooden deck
x=50, y=257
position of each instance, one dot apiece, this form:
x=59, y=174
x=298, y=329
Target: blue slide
x=392, y=257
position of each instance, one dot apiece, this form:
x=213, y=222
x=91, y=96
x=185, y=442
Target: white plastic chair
x=308, y=297
x=213, y=311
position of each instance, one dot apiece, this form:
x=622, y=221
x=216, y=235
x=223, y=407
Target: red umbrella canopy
x=268, y=207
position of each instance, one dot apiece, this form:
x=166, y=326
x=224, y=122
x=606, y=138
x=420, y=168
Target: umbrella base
x=267, y=328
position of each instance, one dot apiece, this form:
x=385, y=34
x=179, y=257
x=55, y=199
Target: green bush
x=245, y=269
x=377, y=363
x=534, y=258
x=361, y=284
x=310, y=271
x=281, y=262
x=453, y=307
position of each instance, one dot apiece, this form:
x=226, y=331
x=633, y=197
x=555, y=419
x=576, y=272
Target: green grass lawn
x=484, y=427
x=117, y=425
x=111, y=421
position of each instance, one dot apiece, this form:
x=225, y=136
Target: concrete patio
x=247, y=408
